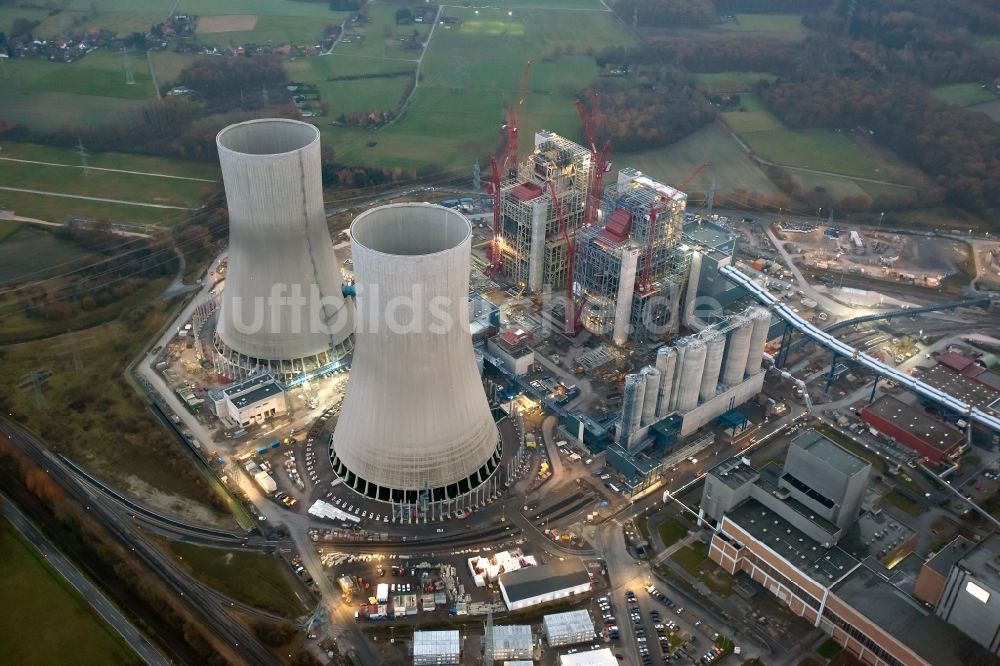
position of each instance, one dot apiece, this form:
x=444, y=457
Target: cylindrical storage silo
x=415, y=417
x=737, y=351
x=666, y=359
x=282, y=306
x=689, y=384
x=715, y=347
x=680, y=347
x=651, y=394
x=632, y=400
x=760, y=322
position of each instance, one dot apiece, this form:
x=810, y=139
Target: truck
x=265, y=481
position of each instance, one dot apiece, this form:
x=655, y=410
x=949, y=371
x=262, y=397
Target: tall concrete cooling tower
x=415, y=425
x=282, y=306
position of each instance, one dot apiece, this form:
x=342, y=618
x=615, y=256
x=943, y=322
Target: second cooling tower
x=282, y=305
x=415, y=421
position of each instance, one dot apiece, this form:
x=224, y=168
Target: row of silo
x=666, y=361
x=737, y=350
x=715, y=346
x=691, y=372
x=760, y=319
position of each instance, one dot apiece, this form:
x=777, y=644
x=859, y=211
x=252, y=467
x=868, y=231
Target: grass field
x=52, y=620
x=202, y=7
x=274, y=30
x=730, y=81
x=250, y=577
x=730, y=166
x=784, y=23
x=31, y=251
x=694, y=560
x=168, y=66
x=381, y=94
x=992, y=109
x=752, y=116
x=382, y=35
x=963, y=94
x=672, y=531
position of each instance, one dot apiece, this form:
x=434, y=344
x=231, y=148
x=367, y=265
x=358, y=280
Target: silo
x=692, y=369
x=282, y=307
x=760, y=321
x=632, y=401
x=415, y=420
x=680, y=346
x=737, y=351
x=715, y=344
x=666, y=359
x=651, y=394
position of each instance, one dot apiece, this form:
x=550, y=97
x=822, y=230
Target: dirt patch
x=173, y=504
x=228, y=23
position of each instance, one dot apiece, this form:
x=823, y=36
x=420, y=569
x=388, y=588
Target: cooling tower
x=415, y=422
x=282, y=306
x=760, y=320
x=737, y=351
x=666, y=359
x=680, y=346
x=689, y=381
x=715, y=344
x=651, y=394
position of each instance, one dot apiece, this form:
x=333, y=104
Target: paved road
x=825, y=301
x=100, y=199
x=82, y=584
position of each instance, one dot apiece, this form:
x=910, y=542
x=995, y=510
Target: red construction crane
x=599, y=162
x=645, y=282
x=496, y=263
x=570, y=315
x=509, y=160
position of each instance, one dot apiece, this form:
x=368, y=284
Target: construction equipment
x=495, y=260
x=600, y=161
x=571, y=315
x=509, y=157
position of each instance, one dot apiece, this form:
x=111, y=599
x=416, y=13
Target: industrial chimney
x=282, y=306
x=415, y=426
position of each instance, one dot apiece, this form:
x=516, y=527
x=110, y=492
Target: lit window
x=977, y=592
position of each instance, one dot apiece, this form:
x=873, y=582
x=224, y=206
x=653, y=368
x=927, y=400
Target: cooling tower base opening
x=236, y=365
x=456, y=500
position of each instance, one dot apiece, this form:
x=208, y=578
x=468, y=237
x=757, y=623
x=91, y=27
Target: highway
x=850, y=353
x=93, y=596
x=242, y=644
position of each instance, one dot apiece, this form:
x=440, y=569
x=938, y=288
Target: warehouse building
x=436, y=647
x=512, y=641
x=544, y=583
x=911, y=427
x=970, y=599
x=601, y=657
x=253, y=400
x=568, y=628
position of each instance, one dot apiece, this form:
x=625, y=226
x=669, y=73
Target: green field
x=783, y=23
x=730, y=166
x=125, y=161
x=202, y=7
x=32, y=252
x=752, y=116
x=376, y=94
x=694, y=560
x=963, y=94
x=671, y=531
x=47, y=619
x=730, y=81
x=381, y=36
x=250, y=577
x=992, y=109
x=274, y=30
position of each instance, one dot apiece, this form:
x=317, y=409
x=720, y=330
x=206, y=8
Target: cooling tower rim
x=372, y=216
x=310, y=135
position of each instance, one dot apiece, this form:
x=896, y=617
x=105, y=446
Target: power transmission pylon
x=127, y=62
x=84, y=157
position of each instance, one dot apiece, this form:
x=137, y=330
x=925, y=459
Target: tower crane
x=600, y=161
x=509, y=158
x=495, y=263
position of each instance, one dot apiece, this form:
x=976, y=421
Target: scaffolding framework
x=533, y=251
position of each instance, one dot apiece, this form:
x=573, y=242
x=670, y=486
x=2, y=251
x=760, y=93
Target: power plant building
x=253, y=400
x=533, y=248
x=641, y=224
x=282, y=310
x=415, y=428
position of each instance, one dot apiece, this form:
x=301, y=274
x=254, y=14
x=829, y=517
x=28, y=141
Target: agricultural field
x=730, y=81
x=765, y=23
x=52, y=619
x=250, y=577
x=752, y=116
x=32, y=252
x=963, y=94
x=372, y=94
x=273, y=30
x=729, y=165
x=201, y=7
x=380, y=37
